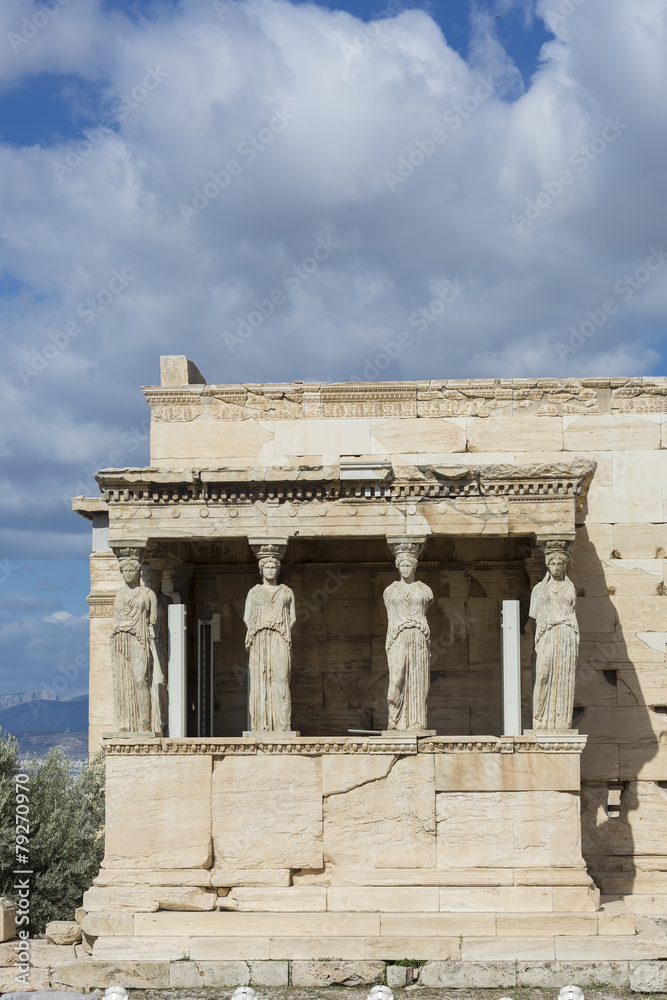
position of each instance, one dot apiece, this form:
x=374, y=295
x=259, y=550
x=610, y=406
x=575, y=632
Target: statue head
x=269, y=567
x=129, y=563
x=557, y=558
x=406, y=564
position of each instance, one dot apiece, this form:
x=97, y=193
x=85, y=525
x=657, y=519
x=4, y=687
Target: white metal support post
x=177, y=669
x=511, y=669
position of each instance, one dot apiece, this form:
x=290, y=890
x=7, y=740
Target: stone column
x=553, y=607
x=269, y=616
x=133, y=649
x=408, y=641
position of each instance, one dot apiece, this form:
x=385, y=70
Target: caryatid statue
x=408, y=639
x=552, y=605
x=132, y=646
x=269, y=616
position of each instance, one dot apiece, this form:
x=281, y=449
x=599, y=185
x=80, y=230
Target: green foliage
x=66, y=819
x=413, y=963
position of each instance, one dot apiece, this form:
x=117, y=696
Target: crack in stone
x=360, y=784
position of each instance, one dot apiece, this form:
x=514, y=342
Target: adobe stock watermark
x=454, y=118
x=249, y=149
x=31, y=26
x=565, y=9
x=581, y=158
x=22, y=873
x=292, y=278
x=77, y=152
x=223, y=7
x=371, y=30
x=88, y=310
x=625, y=288
x=419, y=320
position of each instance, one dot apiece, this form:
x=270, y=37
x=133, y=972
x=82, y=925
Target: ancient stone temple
x=379, y=673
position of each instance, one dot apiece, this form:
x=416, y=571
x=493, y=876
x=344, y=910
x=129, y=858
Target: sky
x=165, y=167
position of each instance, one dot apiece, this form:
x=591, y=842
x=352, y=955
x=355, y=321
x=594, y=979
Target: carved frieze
x=436, y=398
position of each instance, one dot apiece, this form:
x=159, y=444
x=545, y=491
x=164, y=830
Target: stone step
x=390, y=948
x=382, y=924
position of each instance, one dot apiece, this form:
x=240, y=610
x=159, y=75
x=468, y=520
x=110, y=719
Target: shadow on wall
x=620, y=673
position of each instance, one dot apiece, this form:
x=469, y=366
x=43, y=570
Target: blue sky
x=542, y=200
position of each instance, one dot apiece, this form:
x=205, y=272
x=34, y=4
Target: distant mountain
x=46, y=716
x=8, y=700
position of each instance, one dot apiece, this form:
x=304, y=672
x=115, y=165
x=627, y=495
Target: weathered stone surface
x=267, y=812
x=7, y=920
x=336, y=973
x=303, y=899
x=269, y=973
x=50, y=994
x=96, y=924
x=468, y=975
x=379, y=815
x=148, y=899
x=63, y=932
x=158, y=812
x=552, y=975
x=141, y=949
x=44, y=955
x=397, y=976
x=132, y=975
x=38, y=979
x=508, y=829
x=506, y=772
x=648, y=977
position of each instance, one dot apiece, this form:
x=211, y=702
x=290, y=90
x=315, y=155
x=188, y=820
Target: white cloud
x=348, y=120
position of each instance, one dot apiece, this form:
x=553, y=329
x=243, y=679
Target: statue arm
x=249, y=612
x=292, y=607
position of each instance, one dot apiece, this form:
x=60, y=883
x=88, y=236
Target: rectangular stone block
x=580, y=899
x=148, y=899
x=249, y=924
x=468, y=975
x=296, y=898
x=506, y=772
x=267, y=812
x=498, y=434
x=551, y=975
x=380, y=948
x=553, y=876
x=158, y=812
x=250, y=877
x=513, y=829
x=7, y=920
x=191, y=974
x=616, y=923
x=507, y=949
x=336, y=973
x=614, y=948
x=611, y=505
x=201, y=444
x=610, y=433
x=96, y=924
x=124, y=877
x=638, y=541
x=545, y=924
x=384, y=898
x=131, y=975
x=434, y=924
x=379, y=812
x=648, y=977
x=39, y=980
x=506, y=899
x=269, y=973
x=228, y=948
x=141, y=949
x=418, y=437
x=407, y=877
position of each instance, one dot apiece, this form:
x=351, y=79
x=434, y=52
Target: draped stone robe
x=408, y=653
x=552, y=605
x=269, y=616
x=134, y=611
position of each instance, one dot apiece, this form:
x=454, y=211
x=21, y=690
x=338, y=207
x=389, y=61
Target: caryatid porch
x=465, y=845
